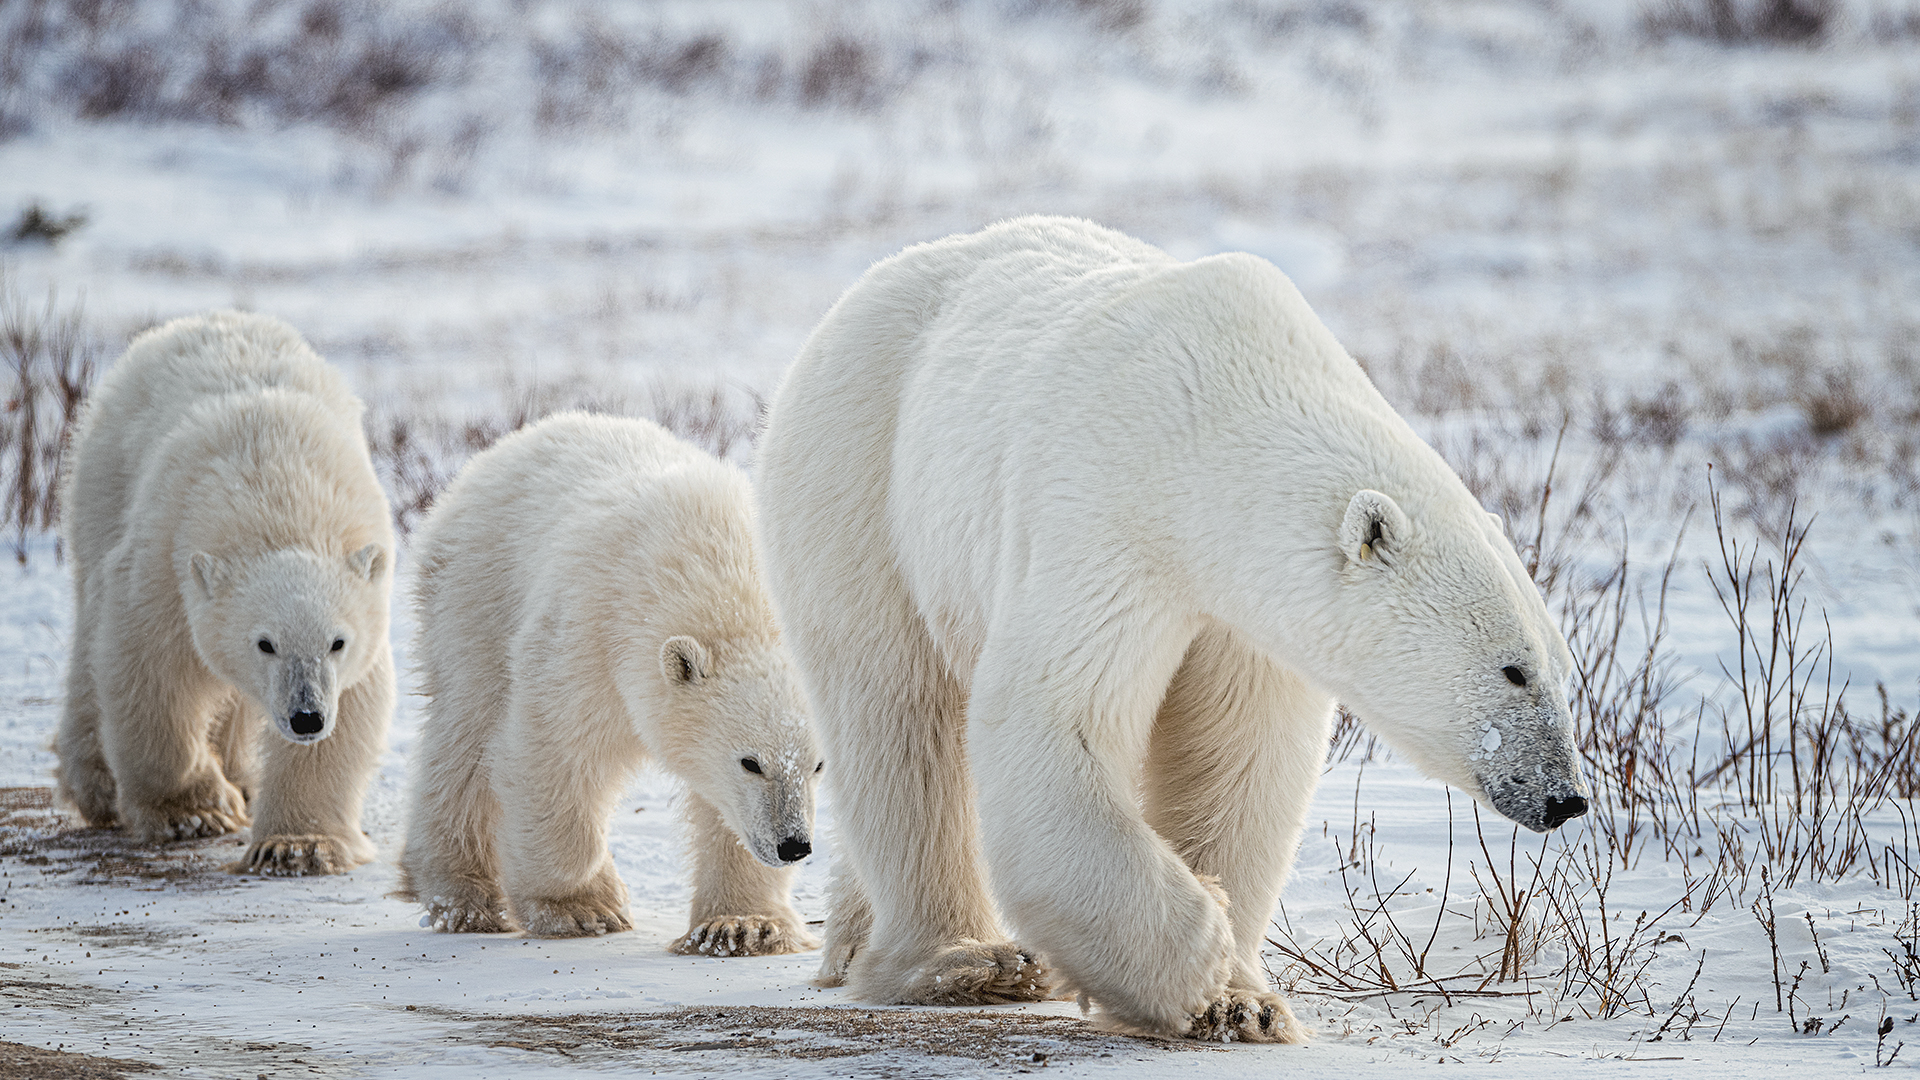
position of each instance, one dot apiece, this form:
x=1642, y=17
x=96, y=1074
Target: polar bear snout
x=775, y=823
x=1537, y=799
x=307, y=700
x=1563, y=809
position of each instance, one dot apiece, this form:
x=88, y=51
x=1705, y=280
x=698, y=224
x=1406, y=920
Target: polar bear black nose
x=310, y=723
x=1564, y=810
x=793, y=849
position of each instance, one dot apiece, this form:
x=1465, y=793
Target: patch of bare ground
x=35, y=832
x=20, y=1060
x=24, y=987
x=1021, y=1041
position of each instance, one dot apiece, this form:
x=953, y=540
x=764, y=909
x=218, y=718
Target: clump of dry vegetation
x=1785, y=22
x=51, y=356
x=417, y=454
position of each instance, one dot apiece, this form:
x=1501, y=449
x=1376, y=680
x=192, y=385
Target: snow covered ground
x=1648, y=240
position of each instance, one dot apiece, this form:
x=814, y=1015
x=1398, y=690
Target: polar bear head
x=1447, y=649
x=290, y=628
x=738, y=734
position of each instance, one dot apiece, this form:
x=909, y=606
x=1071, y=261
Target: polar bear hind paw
x=1246, y=1016
x=294, y=856
x=572, y=917
x=982, y=973
x=744, y=935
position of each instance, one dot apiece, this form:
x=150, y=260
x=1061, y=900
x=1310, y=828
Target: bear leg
x=849, y=924
x=935, y=938
x=83, y=777
x=235, y=734
x=1233, y=761
x=450, y=862
x=556, y=784
x=1081, y=874
x=740, y=907
x=155, y=702
x=307, y=814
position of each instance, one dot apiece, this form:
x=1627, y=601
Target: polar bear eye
x=820, y=766
x=750, y=765
x=1514, y=675
x=266, y=646
x=339, y=643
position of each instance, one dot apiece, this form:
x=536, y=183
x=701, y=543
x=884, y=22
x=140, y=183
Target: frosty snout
x=306, y=703
x=1534, y=802
x=779, y=827
x=1527, y=770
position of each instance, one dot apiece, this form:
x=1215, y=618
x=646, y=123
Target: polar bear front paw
x=744, y=935
x=573, y=917
x=1246, y=1016
x=477, y=916
x=294, y=856
x=981, y=973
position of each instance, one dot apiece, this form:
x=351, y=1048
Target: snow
x=1511, y=212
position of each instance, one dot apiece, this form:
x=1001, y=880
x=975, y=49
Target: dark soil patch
x=113, y=935
x=18, y=1059
x=19, y=988
x=1003, y=1038
x=34, y=831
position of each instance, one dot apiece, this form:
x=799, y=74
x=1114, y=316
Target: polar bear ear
x=369, y=561
x=1373, y=529
x=684, y=660
x=210, y=574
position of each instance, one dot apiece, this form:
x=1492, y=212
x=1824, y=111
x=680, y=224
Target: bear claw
x=982, y=973
x=476, y=917
x=1246, y=1016
x=571, y=918
x=292, y=856
x=194, y=825
x=743, y=935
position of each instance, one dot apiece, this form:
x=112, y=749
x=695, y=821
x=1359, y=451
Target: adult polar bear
x=231, y=555
x=1119, y=530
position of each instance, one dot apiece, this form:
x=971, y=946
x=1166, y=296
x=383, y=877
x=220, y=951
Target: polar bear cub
x=231, y=553
x=1077, y=545
x=589, y=596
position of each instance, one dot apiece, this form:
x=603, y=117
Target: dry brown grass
x=52, y=356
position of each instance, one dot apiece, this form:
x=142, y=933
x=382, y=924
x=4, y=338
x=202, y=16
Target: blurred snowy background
x=1682, y=231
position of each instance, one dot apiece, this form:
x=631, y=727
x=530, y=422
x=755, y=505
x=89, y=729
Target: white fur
x=589, y=596
x=222, y=496
x=1118, y=530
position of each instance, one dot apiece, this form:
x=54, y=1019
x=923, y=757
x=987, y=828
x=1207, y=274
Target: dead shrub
x=842, y=71
x=1660, y=420
x=1111, y=16
x=1835, y=406
x=123, y=81
x=1743, y=22
x=38, y=225
x=53, y=357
